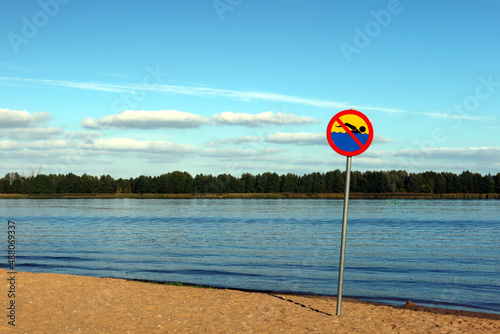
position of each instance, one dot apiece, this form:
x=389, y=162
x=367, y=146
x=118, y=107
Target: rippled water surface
x=441, y=253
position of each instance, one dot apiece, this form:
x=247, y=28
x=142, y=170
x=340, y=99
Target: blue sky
x=232, y=86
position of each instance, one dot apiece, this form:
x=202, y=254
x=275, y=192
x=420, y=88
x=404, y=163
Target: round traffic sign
x=349, y=133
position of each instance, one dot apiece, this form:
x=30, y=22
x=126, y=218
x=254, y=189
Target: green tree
x=318, y=182
x=306, y=184
x=488, y=184
x=452, y=183
x=236, y=185
x=74, y=183
x=358, y=182
x=477, y=183
x=289, y=183
x=199, y=183
x=107, y=184
x=90, y=184
x=274, y=183
x=211, y=185
x=428, y=182
x=466, y=180
x=414, y=183
x=5, y=184
x=62, y=185
x=439, y=183
x=397, y=180
x=40, y=184
x=224, y=183
x=123, y=186
x=377, y=182
x=334, y=182
x=140, y=184
x=497, y=183
x=248, y=182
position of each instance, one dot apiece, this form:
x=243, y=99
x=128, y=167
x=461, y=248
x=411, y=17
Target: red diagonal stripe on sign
x=349, y=132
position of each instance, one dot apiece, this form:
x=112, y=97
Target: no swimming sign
x=349, y=133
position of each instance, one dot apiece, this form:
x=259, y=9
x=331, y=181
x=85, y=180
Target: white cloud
x=21, y=118
x=39, y=145
x=264, y=118
x=300, y=138
x=133, y=145
x=7, y=145
x=144, y=119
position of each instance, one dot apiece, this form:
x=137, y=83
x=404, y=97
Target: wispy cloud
x=232, y=94
x=199, y=91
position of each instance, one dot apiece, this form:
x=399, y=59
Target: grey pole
x=344, y=231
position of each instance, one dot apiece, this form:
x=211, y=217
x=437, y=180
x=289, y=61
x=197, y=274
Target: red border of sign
x=329, y=133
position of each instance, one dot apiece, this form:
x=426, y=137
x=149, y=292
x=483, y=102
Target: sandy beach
x=55, y=303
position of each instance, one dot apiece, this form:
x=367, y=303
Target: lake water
x=439, y=253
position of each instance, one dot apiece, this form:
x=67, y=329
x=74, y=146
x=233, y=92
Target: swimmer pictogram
x=353, y=128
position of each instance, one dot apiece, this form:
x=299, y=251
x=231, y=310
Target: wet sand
x=55, y=303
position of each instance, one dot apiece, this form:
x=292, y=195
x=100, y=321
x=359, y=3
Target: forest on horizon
x=178, y=182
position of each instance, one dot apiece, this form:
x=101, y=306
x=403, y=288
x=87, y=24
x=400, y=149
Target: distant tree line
x=183, y=183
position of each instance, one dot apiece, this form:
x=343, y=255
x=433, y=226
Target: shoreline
x=258, y=196
x=393, y=302
x=62, y=303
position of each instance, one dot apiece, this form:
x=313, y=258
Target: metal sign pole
x=344, y=230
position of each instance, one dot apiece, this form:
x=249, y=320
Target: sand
x=55, y=303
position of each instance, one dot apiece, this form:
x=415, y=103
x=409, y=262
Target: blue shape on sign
x=345, y=142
